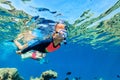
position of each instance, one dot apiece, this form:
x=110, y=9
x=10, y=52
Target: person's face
x=58, y=37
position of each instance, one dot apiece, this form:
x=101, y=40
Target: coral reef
x=9, y=74
x=47, y=75
x=12, y=74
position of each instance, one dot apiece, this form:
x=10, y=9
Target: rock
x=9, y=74
x=47, y=75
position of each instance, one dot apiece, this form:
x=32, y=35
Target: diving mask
x=63, y=34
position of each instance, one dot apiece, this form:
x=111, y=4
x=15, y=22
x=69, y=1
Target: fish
x=68, y=73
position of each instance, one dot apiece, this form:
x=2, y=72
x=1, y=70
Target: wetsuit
x=42, y=46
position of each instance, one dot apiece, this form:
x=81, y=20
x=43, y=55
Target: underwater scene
x=59, y=39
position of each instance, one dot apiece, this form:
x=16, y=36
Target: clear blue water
x=83, y=60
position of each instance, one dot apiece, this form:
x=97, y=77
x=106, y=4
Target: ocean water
x=93, y=43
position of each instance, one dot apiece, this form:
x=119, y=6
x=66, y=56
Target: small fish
x=118, y=76
x=68, y=73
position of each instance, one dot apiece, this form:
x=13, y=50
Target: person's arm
x=19, y=45
x=20, y=36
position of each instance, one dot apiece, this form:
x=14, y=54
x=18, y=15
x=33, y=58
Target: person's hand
x=18, y=52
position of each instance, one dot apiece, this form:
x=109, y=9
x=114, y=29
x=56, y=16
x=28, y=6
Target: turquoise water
x=93, y=48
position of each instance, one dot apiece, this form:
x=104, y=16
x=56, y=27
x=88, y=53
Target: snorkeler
x=39, y=48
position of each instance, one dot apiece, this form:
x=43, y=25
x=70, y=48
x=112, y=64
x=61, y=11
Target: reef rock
x=9, y=74
x=47, y=75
